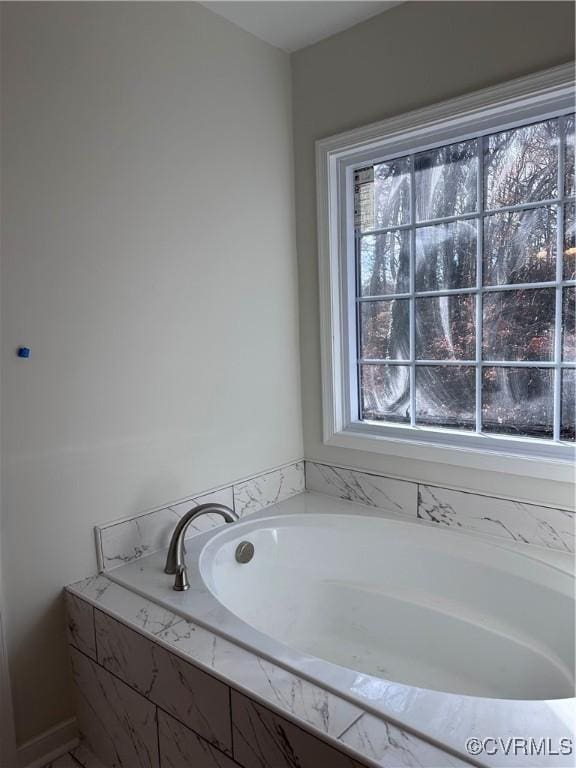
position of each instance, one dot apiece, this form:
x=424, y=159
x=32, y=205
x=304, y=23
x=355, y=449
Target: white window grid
x=479, y=290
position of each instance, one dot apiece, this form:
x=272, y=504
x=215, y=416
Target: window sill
x=492, y=458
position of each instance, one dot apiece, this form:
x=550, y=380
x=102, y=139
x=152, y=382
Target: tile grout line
x=187, y=727
x=94, y=632
x=158, y=737
x=350, y=725
x=231, y=722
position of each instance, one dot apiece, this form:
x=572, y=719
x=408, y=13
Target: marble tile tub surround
x=368, y=723
x=80, y=625
x=443, y=719
x=277, y=718
x=512, y=520
x=198, y=700
x=126, y=540
x=123, y=541
x=117, y=722
x=268, y=682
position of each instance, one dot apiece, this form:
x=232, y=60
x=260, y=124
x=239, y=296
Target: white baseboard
x=49, y=745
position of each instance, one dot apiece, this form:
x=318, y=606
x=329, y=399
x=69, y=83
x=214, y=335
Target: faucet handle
x=181, y=583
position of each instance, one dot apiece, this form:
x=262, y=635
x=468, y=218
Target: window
x=455, y=254
x=465, y=307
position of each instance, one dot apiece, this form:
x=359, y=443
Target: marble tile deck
x=277, y=717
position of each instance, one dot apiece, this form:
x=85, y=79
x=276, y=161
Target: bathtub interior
x=415, y=605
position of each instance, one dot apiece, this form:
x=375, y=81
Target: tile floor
x=80, y=757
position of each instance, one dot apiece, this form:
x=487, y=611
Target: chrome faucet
x=175, y=558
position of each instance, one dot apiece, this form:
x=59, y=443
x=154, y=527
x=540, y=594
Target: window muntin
x=465, y=267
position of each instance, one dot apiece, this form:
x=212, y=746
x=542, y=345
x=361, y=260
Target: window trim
x=545, y=94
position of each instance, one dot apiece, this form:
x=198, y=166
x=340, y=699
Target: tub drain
x=244, y=552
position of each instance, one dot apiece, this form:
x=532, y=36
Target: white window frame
x=540, y=96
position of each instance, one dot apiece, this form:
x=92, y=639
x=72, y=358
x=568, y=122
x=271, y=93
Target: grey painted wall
x=414, y=55
x=148, y=259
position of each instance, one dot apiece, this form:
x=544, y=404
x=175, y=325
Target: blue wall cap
x=23, y=352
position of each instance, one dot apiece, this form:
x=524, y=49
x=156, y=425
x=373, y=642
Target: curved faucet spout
x=175, y=557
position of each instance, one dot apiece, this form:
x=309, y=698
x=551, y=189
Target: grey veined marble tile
x=513, y=520
x=263, y=739
x=125, y=604
x=375, y=491
x=80, y=624
x=182, y=748
x=210, y=520
x=130, y=540
x=263, y=679
x=197, y=699
x=118, y=723
x=269, y=488
x=389, y=746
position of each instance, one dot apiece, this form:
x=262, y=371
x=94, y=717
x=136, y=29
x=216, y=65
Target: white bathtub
x=446, y=633
x=402, y=602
